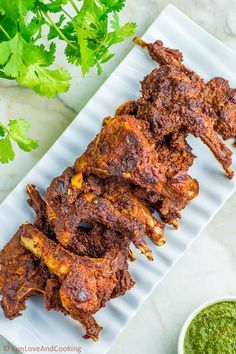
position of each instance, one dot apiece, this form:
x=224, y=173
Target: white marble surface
x=208, y=268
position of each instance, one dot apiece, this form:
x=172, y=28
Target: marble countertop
x=208, y=268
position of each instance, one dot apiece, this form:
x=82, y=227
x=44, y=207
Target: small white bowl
x=193, y=314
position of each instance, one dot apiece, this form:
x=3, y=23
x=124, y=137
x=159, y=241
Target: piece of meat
x=22, y=275
x=53, y=302
x=135, y=156
x=100, y=242
x=173, y=98
x=37, y=203
x=221, y=106
x=173, y=150
x=129, y=108
x=121, y=194
x=162, y=55
x=93, y=241
x=108, y=202
x=139, y=160
x=175, y=153
x=169, y=209
x=86, y=284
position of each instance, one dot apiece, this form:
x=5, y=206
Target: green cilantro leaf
x=11, y=27
x=54, y=5
x=45, y=82
x=120, y=34
x=38, y=54
x=11, y=53
x=87, y=54
x=35, y=25
x=115, y=23
x=15, y=9
x=15, y=131
x=33, y=30
x=114, y=5
x=6, y=151
x=18, y=130
x=73, y=55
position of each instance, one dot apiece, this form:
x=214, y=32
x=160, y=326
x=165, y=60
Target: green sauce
x=213, y=330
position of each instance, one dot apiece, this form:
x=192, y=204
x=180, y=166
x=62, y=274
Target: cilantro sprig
x=88, y=31
x=15, y=131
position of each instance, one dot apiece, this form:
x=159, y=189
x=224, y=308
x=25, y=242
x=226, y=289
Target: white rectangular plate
x=209, y=58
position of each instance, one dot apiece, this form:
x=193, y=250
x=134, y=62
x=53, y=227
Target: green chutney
x=212, y=330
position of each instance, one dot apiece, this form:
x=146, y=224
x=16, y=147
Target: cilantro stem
x=67, y=14
x=59, y=31
x=5, y=32
x=74, y=6
x=39, y=35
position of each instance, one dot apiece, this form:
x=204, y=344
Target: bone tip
x=131, y=255
x=147, y=252
x=175, y=224
x=229, y=172
x=140, y=42
x=29, y=187
x=149, y=256
x=158, y=239
x=161, y=242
